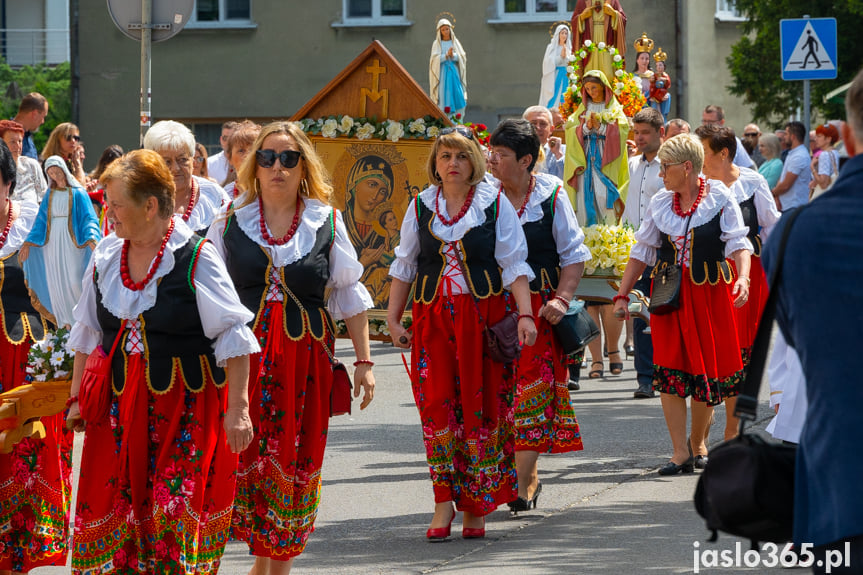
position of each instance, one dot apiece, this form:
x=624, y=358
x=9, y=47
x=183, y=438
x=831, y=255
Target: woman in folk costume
x=448, y=70
x=35, y=477
x=283, y=244
x=60, y=244
x=159, y=462
x=555, y=80
x=596, y=160
x=465, y=399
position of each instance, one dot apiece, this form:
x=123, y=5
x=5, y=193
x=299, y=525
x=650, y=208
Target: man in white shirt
x=714, y=115
x=552, y=146
x=644, y=182
x=218, y=166
x=793, y=187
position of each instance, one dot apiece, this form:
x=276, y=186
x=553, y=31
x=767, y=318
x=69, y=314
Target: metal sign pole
x=146, y=42
x=806, y=104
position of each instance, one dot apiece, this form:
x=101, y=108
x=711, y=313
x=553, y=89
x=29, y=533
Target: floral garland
x=51, y=358
x=625, y=87
x=480, y=131
x=609, y=248
x=344, y=126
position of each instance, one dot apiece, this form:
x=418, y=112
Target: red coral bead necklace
x=465, y=207
x=10, y=218
x=193, y=198
x=291, y=231
x=124, y=263
x=530, y=186
x=694, y=206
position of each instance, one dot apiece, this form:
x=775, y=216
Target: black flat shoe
x=700, y=461
x=672, y=468
x=573, y=385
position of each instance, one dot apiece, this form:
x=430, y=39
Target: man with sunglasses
x=751, y=135
x=31, y=114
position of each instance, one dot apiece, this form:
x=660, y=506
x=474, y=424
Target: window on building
x=726, y=11
x=535, y=10
x=222, y=12
x=378, y=12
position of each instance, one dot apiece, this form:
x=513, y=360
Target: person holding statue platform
x=464, y=397
x=448, y=69
x=544, y=418
x=283, y=244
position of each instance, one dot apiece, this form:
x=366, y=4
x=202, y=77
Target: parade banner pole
x=146, y=42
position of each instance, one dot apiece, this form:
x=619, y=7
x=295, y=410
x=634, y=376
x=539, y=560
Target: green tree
x=53, y=82
x=755, y=61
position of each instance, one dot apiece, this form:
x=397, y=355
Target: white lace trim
x=210, y=200
x=670, y=223
x=744, y=187
x=484, y=196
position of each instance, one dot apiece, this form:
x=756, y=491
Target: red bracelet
x=619, y=297
x=367, y=362
x=564, y=301
x=525, y=315
x=72, y=399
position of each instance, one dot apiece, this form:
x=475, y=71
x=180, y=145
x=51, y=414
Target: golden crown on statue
x=660, y=56
x=447, y=16
x=554, y=26
x=643, y=44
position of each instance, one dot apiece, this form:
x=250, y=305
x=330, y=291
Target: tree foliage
x=53, y=82
x=756, y=62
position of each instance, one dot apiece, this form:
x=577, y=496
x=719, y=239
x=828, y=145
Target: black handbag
x=665, y=295
x=576, y=329
x=747, y=487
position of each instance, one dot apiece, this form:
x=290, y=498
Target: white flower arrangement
x=365, y=132
x=588, y=43
x=395, y=130
x=418, y=126
x=51, y=358
x=345, y=124
x=609, y=248
x=425, y=128
x=330, y=128
x=601, y=45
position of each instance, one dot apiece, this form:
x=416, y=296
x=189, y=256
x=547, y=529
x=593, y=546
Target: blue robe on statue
x=43, y=266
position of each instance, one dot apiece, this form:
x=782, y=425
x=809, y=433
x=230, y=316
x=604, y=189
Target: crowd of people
x=209, y=287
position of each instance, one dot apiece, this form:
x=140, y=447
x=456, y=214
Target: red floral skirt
x=157, y=481
x=544, y=418
x=696, y=351
x=749, y=313
x=465, y=402
x=35, y=483
x=279, y=479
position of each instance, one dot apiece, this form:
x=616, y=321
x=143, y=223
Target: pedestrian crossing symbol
x=808, y=49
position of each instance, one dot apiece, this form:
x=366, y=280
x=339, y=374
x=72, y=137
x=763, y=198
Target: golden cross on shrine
x=375, y=93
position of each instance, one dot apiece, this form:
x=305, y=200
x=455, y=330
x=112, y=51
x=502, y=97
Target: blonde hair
x=683, y=148
x=317, y=182
x=53, y=147
x=460, y=142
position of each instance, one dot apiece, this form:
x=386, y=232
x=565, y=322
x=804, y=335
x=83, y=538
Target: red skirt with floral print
x=696, y=350
x=279, y=479
x=465, y=402
x=157, y=481
x=544, y=418
x=35, y=483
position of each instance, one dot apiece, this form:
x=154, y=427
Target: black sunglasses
x=466, y=132
x=288, y=158
x=751, y=134
x=70, y=138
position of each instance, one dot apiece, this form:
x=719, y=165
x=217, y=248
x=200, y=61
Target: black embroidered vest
x=249, y=266
x=542, y=253
x=21, y=321
x=707, y=259
x=750, y=218
x=171, y=331
x=477, y=245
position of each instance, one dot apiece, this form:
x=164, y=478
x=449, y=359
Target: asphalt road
x=603, y=510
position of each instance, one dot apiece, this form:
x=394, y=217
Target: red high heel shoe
x=473, y=532
x=441, y=533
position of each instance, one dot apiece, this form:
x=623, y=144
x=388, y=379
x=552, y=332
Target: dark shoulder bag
x=665, y=295
x=747, y=487
x=576, y=328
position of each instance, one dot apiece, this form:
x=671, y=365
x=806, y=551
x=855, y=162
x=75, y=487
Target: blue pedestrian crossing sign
x=809, y=50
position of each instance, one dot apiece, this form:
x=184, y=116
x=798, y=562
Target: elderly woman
x=825, y=167
x=544, y=419
x=60, y=244
x=695, y=224
x=758, y=208
x=30, y=181
x=239, y=143
x=65, y=141
x=284, y=245
x=35, y=477
x=159, y=466
x=465, y=399
x=771, y=149
x=196, y=200
x=447, y=70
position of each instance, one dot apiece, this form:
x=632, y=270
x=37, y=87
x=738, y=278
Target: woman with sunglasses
x=544, y=418
x=465, y=399
x=64, y=141
x=694, y=223
x=283, y=245
x=197, y=200
x=760, y=214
